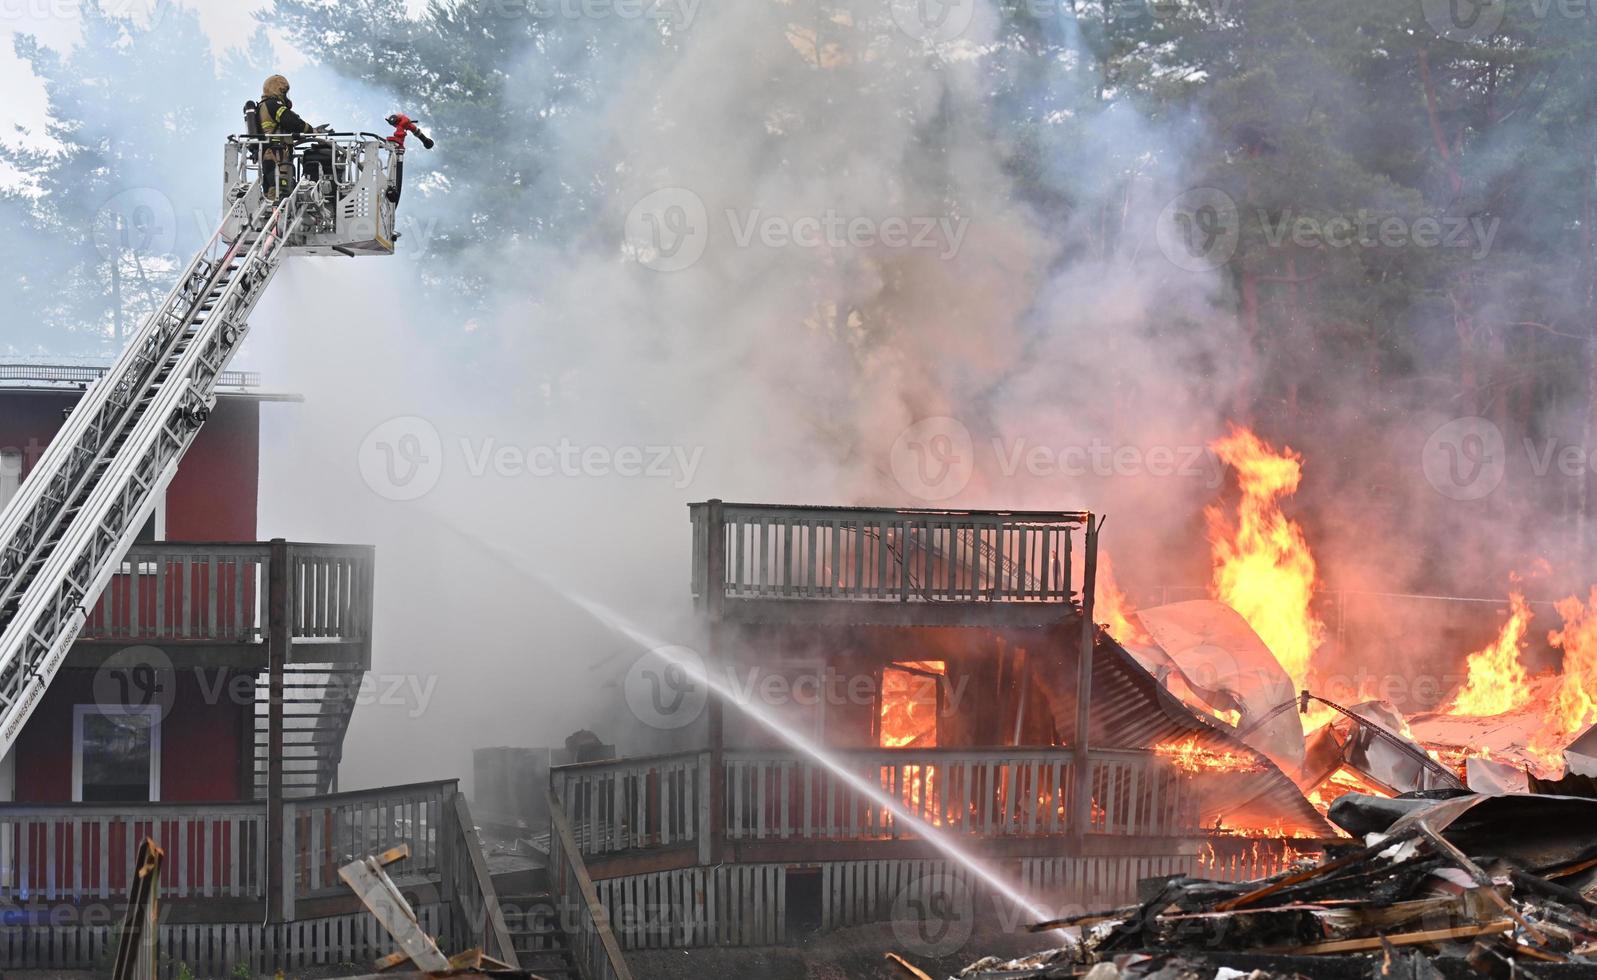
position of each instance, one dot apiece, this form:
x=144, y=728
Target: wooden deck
x=64, y=873
x=642, y=829
x=208, y=605
x=783, y=806
x=780, y=564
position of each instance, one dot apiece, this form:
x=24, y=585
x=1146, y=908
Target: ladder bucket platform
x=355, y=204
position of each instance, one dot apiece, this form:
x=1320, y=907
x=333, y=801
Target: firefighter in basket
x=274, y=119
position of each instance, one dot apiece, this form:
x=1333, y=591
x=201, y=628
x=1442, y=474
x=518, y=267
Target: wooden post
x=715, y=560
x=278, y=633
x=715, y=708
x=1081, y=818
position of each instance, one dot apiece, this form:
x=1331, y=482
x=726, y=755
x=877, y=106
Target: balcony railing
x=218, y=594
x=55, y=852
x=630, y=804
x=75, y=854
x=754, y=551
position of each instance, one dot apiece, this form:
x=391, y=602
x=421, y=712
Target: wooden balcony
x=781, y=806
x=765, y=563
x=223, y=871
x=208, y=604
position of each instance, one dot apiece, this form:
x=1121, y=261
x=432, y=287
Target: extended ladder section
x=66, y=531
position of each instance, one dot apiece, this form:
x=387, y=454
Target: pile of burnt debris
x=1432, y=885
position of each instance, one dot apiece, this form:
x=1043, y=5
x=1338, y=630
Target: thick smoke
x=1086, y=368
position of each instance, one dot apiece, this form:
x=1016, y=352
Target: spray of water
x=695, y=669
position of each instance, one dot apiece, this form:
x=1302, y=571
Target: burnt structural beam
x=1081, y=821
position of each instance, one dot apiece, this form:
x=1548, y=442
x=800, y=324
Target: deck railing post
x=1082, y=815
x=705, y=814
x=715, y=559
x=278, y=630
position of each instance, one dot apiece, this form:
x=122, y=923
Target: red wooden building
x=78, y=747
x=162, y=723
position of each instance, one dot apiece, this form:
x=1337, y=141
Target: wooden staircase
x=541, y=944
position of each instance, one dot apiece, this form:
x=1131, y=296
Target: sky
x=23, y=112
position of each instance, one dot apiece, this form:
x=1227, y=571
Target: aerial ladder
x=66, y=532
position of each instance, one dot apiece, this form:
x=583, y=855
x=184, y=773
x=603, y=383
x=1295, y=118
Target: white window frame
x=8, y=459
x=81, y=711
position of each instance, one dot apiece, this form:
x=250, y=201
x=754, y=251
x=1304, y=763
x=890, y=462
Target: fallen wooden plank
x=371, y=883
x=1481, y=878
x=1311, y=874
x=1085, y=919
x=1369, y=943
x=908, y=967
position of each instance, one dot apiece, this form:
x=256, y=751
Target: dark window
x=117, y=754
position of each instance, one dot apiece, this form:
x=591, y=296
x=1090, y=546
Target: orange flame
x=1263, y=567
x=1190, y=757
x=909, y=704
x=1498, y=682
x=1113, y=609
x=1574, y=705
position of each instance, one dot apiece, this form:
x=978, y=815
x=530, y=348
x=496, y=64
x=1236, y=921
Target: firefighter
x=281, y=125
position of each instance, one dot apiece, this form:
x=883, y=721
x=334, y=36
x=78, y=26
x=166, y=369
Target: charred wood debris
x=1430, y=885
